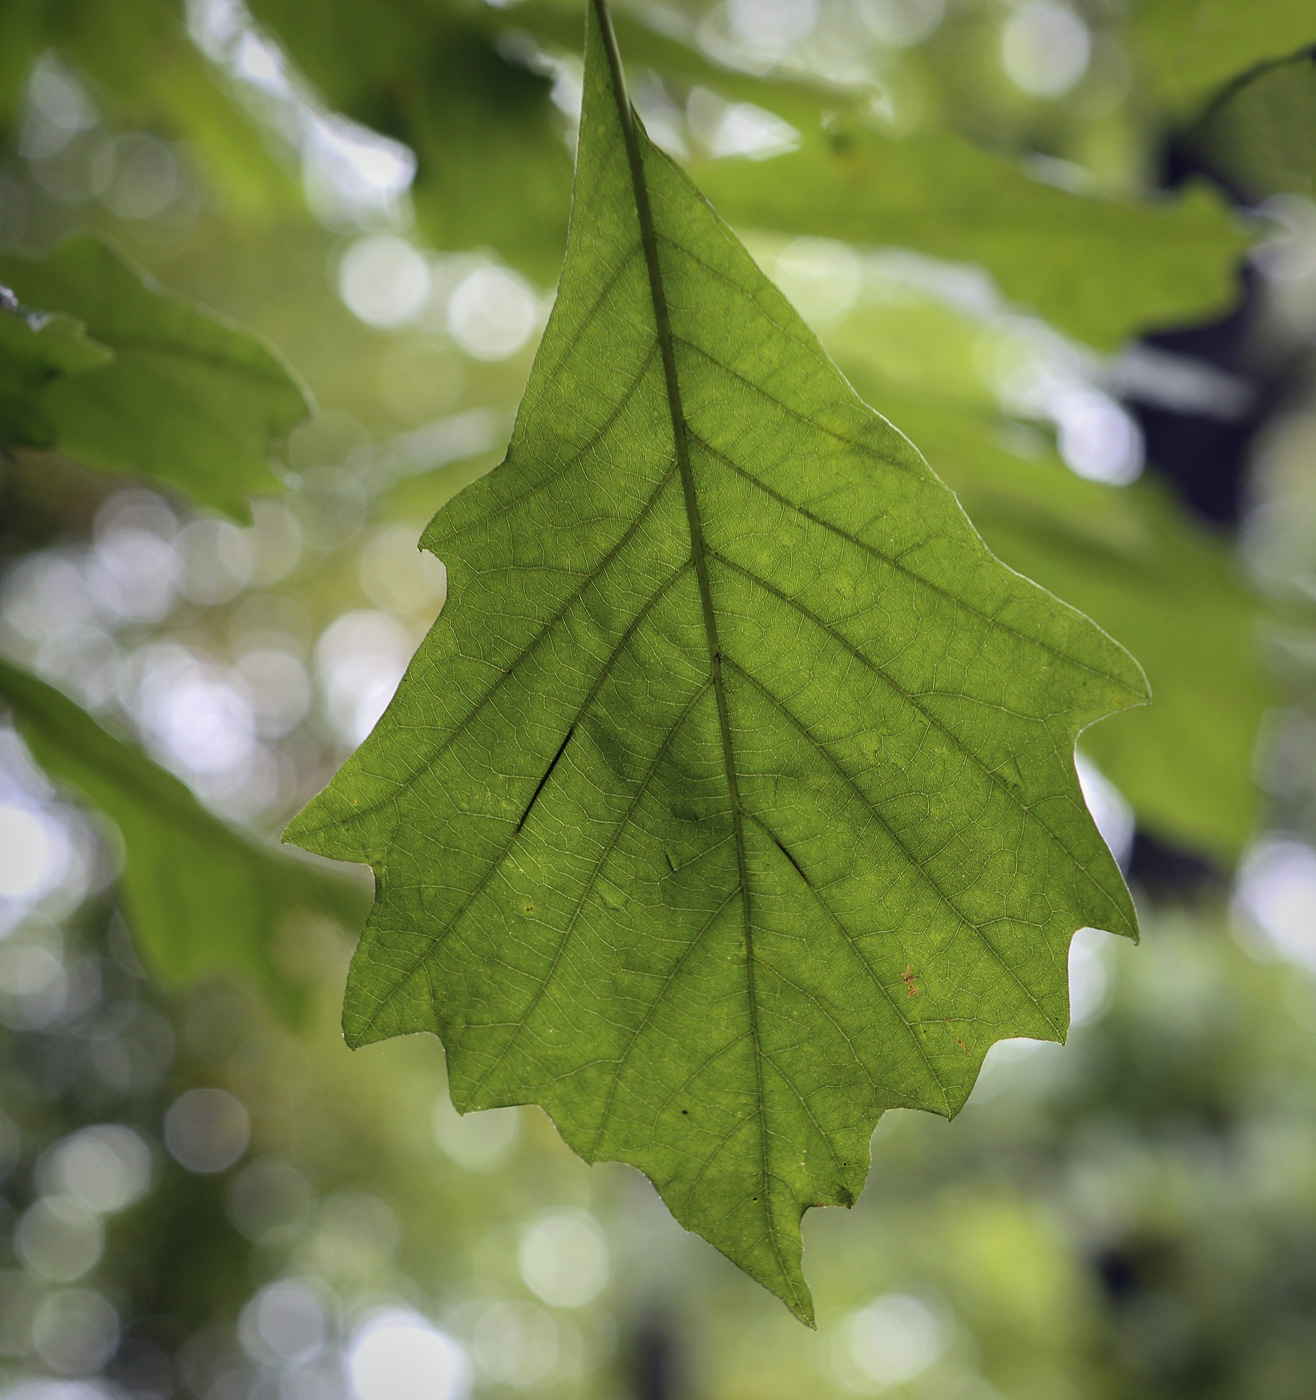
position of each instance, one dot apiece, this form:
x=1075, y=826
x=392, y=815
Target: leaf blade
x=573, y=834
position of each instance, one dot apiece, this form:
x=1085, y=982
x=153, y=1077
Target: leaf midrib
x=667, y=348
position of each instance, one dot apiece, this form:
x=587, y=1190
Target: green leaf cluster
x=732, y=799
x=457, y=84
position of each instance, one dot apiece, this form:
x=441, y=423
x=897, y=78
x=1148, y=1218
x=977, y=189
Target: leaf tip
x=800, y=1301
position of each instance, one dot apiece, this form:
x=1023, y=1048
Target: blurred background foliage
x=1069, y=248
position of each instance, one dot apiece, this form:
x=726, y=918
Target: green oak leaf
x=731, y=800
x=199, y=896
x=188, y=400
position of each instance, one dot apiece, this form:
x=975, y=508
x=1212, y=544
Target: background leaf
x=492, y=169
x=199, y=896
x=1100, y=270
x=187, y=399
x=732, y=800
x=143, y=64
x=35, y=350
x=1189, y=47
x=1263, y=134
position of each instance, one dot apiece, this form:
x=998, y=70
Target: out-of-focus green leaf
x=731, y=799
x=144, y=66
x=35, y=350
x=1264, y=134
x=1188, y=48
x=200, y=897
x=1099, y=270
x=492, y=169
x=188, y=400
x=1125, y=555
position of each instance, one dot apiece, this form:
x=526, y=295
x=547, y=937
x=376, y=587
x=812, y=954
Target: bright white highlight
x=284, y=1322
x=477, y=1141
x=1112, y=814
x=360, y=658
x=75, y=1331
x=492, y=313
x=564, y=1258
x=206, y=1130
x=107, y=1167
x=1089, y=981
x=1096, y=437
x=59, y=1239
x=1045, y=48
x=896, y=1338
x=1277, y=896
x=399, y=1356
x=901, y=23
x=33, y=853
x=737, y=128
x=384, y=280
x=772, y=26
x=352, y=172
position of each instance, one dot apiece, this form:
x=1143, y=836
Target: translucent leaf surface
x=199, y=896
x=1126, y=555
x=731, y=801
x=188, y=400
